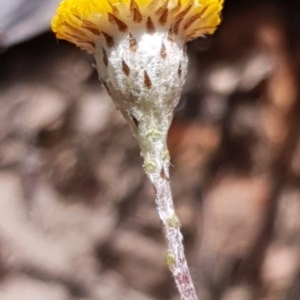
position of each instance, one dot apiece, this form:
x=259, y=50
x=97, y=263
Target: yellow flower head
x=139, y=49
x=82, y=22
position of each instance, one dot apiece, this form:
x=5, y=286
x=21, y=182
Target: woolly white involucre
x=144, y=74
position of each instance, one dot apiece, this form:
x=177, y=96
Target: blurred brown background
x=77, y=215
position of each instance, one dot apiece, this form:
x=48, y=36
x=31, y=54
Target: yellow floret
x=83, y=21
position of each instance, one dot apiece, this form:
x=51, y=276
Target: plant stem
x=175, y=258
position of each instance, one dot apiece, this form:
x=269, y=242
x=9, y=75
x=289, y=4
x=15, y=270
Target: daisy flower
x=139, y=48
